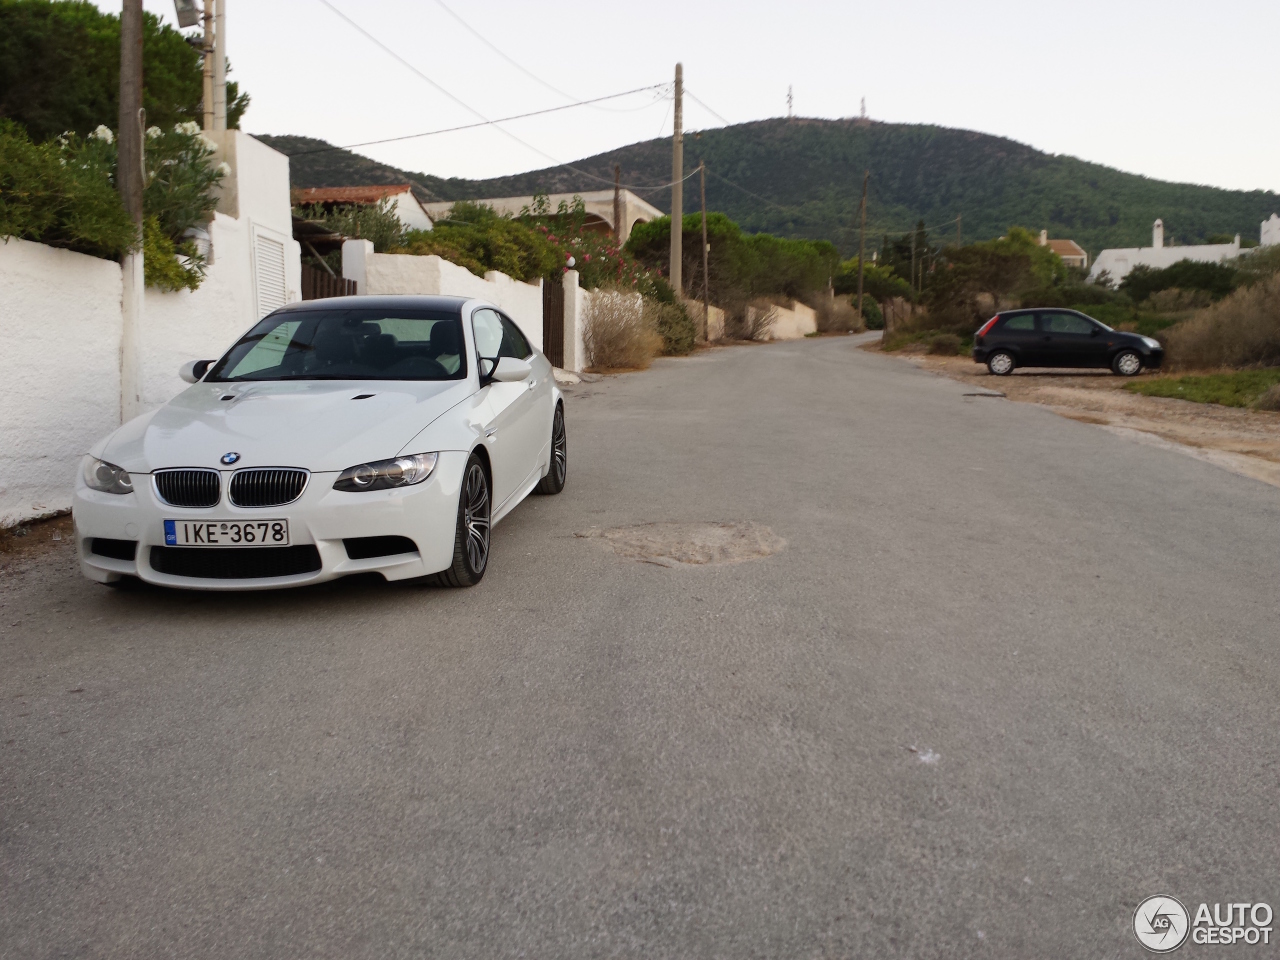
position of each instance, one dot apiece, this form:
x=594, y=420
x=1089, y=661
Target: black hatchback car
x=1061, y=338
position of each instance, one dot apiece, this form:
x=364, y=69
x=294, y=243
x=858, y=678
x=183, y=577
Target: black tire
x=1001, y=363
x=1126, y=363
x=553, y=482
x=471, y=539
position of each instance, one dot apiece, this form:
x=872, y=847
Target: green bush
x=872, y=315
x=674, y=325
x=945, y=344
x=161, y=267
x=1216, y=279
x=367, y=221
x=60, y=70
x=62, y=193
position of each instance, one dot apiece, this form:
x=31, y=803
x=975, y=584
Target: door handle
x=1048, y=338
x=532, y=384
x=490, y=433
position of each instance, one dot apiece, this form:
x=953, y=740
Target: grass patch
x=907, y=338
x=1240, y=389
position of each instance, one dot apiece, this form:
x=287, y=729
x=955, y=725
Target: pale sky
x=1175, y=90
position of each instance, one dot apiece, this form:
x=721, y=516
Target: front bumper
x=322, y=517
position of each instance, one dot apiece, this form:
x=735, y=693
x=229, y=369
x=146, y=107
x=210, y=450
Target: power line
x=455, y=99
x=706, y=108
x=484, y=123
x=515, y=63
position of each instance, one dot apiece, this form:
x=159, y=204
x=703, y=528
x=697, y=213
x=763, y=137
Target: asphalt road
x=1011, y=675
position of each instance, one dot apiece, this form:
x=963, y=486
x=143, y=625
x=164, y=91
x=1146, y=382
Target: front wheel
x=1127, y=363
x=471, y=540
x=553, y=482
x=1000, y=363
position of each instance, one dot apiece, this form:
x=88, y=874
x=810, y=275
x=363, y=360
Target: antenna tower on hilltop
x=788, y=101
x=863, y=115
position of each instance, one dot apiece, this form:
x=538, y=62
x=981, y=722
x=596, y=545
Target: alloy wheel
x=559, y=447
x=1129, y=363
x=475, y=518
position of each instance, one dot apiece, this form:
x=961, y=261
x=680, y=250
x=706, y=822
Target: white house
x=1118, y=262
x=1271, y=231
x=598, y=204
x=407, y=207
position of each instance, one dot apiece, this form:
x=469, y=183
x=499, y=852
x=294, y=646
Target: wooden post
x=706, y=250
x=617, y=204
x=862, y=240
x=677, y=187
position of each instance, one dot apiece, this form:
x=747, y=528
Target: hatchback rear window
x=1021, y=321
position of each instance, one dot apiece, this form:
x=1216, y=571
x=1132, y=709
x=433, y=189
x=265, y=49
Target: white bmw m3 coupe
x=352, y=435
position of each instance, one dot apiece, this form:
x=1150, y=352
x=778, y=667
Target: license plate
x=226, y=533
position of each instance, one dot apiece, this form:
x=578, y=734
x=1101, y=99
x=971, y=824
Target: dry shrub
x=1269, y=400
x=750, y=321
x=836, y=314
x=945, y=344
x=619, y=333
x=1177, y=300
x=1242, y=330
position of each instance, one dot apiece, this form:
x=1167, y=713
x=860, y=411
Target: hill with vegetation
x=803, y=177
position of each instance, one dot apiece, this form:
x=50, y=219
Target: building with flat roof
x=1117, y=263
x=407, y=207
x=598, y=204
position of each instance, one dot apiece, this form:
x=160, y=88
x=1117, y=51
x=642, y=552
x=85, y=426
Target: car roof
x=383, y=302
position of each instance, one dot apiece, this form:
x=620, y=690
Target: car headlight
x=107, y=477
x=384, y=474
x=1153, y=344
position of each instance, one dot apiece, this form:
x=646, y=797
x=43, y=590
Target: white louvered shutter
x=269, y=274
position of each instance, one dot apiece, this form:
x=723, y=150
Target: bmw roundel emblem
x=230, y=458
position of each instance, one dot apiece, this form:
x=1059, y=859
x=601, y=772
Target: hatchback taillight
x=986, y=326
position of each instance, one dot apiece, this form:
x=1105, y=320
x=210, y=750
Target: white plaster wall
x=1118, y=262
x=1270, y=231
x=60, y=324
x=396, y=273
x=792, y=323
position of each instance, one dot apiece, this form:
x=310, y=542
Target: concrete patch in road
x=690, y=544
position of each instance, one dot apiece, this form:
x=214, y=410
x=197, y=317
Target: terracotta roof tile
x=1066, y=248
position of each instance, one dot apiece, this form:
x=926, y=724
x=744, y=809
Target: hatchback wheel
x=471, y=541
x=1000, y=363
x=1127, y=363
x=553, y=482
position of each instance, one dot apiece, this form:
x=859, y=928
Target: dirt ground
x=1243, y=441
x=21, y=544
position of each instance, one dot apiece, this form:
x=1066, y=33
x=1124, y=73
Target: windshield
x=352, y=344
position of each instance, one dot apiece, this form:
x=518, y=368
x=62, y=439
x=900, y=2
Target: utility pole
x=207, y=17
x=913, y=269
x=617, y=204
x=706, y=249
x=788, y=101
x=219, y=64
x=129, y=181
x=862, y=240
x=959, y=232
x=677, y=187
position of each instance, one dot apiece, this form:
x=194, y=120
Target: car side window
x=1066, y=323
x=1025, y=322
x=514, y=343
x=487, y=327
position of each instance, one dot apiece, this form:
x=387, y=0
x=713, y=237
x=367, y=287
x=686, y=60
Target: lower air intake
x=364, y=548
x=235, y=563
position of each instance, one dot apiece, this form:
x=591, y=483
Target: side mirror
x=1095, y=331
x=511, y=370
x=193, y=371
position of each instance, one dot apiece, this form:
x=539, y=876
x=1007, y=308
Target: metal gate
x=317, y=284
x=553, y=321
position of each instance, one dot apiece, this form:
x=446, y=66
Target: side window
x=487, y=327
x=1066, y=323
x=514, y=343
x=1024, y=322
